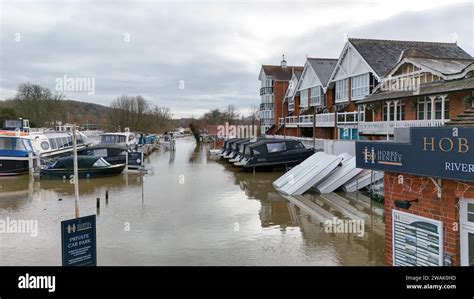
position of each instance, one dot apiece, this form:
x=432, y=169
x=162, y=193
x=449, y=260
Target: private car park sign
x=79, y=247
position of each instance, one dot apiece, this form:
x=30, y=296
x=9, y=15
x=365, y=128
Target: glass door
x=467, y=231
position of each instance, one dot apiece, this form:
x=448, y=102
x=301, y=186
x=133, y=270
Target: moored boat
x=16, y=153
x=50, y=144
x=275, y=152
x=88, y=167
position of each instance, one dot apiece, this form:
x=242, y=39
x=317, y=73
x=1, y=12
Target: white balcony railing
x=347, y=118
x=305, y=120
x=291, y=121
x=325, y=120
x=387, y=127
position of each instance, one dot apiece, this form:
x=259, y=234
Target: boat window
x=69, y=141
x=112, y=139
x=64, y=141
x=53, y=143
x=6, y=143
x=276, y=147
x=131, y=137
x=100, y=163
x=16, y=144
x=45, y=145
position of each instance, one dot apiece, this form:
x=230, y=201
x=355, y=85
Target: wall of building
x=444, y=209
x=279, y=90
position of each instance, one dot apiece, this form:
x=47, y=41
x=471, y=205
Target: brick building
x=274, y=80
x=429, y=193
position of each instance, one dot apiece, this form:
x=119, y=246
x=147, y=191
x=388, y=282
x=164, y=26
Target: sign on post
x=78, y=238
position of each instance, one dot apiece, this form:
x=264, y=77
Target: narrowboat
x=275, y=152
x=88, y=167
x=16, y=154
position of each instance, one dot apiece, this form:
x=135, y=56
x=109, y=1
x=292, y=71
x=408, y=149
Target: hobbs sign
x=435, y=152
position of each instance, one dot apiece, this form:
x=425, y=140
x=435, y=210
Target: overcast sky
x=215, y=47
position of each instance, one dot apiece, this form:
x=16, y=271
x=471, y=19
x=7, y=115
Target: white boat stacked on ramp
x=340, y=175
x=309, y=173
x=290, y=175
x=362, y=180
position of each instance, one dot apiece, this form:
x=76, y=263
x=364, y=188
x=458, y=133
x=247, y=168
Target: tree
x=138, y=114
x=7, y=113
x=38, y=104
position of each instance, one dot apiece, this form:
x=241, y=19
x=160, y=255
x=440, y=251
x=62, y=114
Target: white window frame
x=342, y=90
x=360, y=86
x=304, y=99
x=466, y=228
x=425, y=102
x=316, y=98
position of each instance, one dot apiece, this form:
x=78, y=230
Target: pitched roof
x=279, y=73
x=443, y=66
x=323, y=68
x=382, y=55
x=435, y=87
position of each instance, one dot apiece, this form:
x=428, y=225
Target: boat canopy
x=82, y=162
x=265, y=147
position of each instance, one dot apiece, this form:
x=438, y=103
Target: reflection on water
x=191, y=210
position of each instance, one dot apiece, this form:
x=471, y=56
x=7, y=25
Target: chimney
x=283, y=62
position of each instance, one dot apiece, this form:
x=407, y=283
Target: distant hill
x=78, y=112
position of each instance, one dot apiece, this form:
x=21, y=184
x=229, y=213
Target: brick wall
x=279, y=90
x=444, y=209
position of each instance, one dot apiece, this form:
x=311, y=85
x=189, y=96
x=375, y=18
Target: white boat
x=341, y=175
x=313, y=173
x=125, y=138
x=362, y=180
x=278, y=183
x=49, y=144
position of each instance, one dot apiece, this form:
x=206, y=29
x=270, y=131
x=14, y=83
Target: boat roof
x=119, y=146
x=265, y=141
x=82, y=162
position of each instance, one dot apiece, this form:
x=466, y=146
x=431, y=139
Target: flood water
x=190, y=209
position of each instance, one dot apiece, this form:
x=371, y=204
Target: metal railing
x=305, y=120
x=387, y=127
x=266, y=106
x=325, y=120
x=266, y=90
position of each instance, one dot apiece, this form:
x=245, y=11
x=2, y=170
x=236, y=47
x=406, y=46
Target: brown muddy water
x=190, y=210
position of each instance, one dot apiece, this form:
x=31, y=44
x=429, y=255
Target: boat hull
x=17, y=166
x=83, y=173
